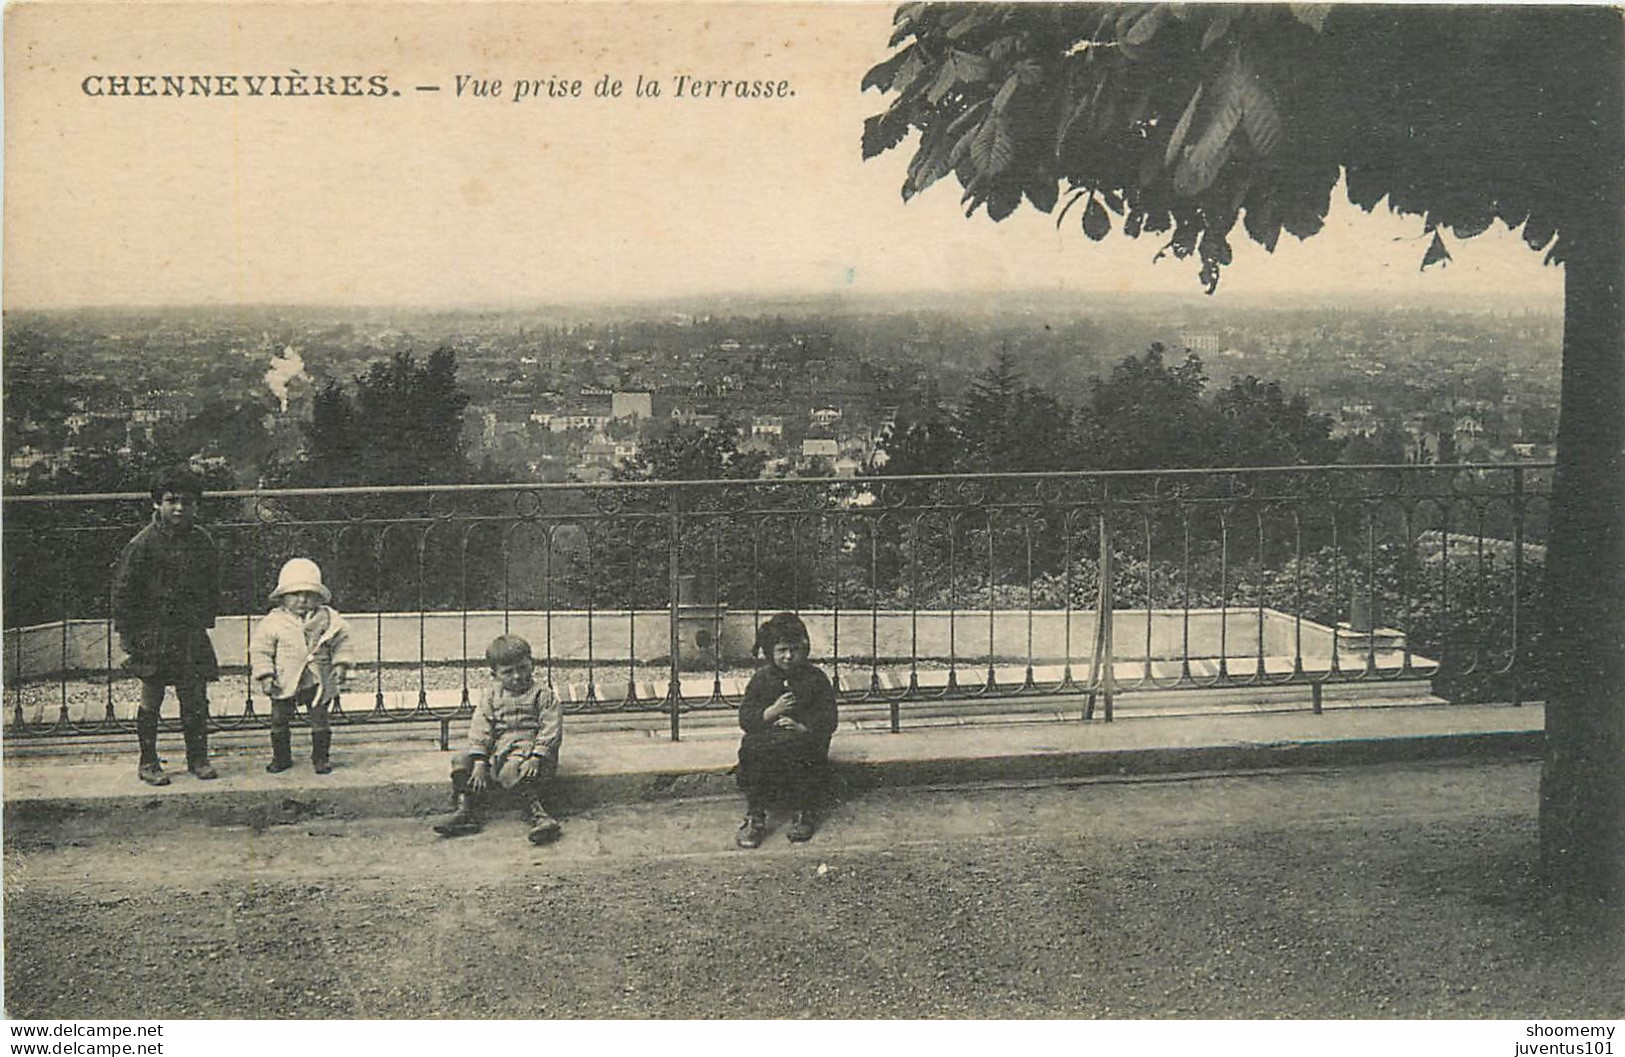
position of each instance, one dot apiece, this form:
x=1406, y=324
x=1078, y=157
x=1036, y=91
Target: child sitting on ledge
x=513, y=739
x=788, y=715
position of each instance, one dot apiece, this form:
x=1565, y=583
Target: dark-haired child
x=788, y=715
x=166, y=590
x=513, y=740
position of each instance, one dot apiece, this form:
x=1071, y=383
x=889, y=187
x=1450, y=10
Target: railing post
x=423, y=621
x=109, y=717
x=63, y=721
x=674, y=692
x=1517, y=583
x=462, y=592
x=1101, y=679
x=1107, y=665
x=255, y=547
x=378, y=624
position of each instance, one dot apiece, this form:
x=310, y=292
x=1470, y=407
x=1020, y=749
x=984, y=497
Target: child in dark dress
x=788, y=715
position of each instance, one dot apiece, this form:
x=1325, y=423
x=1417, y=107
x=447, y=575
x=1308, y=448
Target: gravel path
x=1401, y=891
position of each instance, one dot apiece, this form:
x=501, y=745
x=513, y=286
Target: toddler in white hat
x=299, y=655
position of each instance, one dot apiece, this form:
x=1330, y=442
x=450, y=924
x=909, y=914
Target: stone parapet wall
x=1040, y=636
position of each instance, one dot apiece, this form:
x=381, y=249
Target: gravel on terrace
x=1396, y=891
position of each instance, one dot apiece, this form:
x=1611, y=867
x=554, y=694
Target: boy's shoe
x=463, y=819
x=152, y=773
x=281, y=752
x=752, y=831
x=196, y=732
x=543, y=827
x=321, y=743
x=801, y=827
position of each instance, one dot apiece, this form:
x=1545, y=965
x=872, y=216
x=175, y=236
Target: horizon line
x=953, y=299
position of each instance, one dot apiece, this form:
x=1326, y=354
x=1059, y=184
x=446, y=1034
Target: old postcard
x=840, y=503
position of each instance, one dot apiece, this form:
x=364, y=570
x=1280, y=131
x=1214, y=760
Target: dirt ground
x=1404, y=891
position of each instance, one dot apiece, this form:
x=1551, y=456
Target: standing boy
x=513, y=739
x=788, y=715
x=166, y=589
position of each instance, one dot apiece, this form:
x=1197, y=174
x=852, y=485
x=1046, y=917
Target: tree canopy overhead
x=1183, y=121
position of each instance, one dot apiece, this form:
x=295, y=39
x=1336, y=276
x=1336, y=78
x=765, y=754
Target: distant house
x=150, y=416
x=20, y=464
x=820, y=448
x=825, y=416
x=698, y=419
x=479, y=426
x=597, y=462
x=27, y=458
x=631, y=405
x=597, y=423
x=1534, y=451
x=767, y=426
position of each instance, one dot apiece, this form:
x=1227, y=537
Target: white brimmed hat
x=300, y=574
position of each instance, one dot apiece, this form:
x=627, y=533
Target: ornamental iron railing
x=644, y=596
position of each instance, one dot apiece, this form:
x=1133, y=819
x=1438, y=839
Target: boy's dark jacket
x=815, y=702
x=166, y=592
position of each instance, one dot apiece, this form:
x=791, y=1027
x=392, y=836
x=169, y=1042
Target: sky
x=440, y=198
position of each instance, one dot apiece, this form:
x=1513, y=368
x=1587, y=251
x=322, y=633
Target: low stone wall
x=1045, y=636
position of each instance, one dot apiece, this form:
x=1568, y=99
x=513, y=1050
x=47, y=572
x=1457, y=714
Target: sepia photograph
x=657, y=512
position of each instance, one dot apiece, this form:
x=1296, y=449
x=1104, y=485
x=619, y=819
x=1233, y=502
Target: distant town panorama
x=316, y=397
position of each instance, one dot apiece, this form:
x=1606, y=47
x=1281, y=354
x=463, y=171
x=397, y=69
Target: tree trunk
x=1582, y=789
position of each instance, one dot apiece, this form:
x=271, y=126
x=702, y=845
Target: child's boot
x=753, y=830
x=801, y=827
x=543, y=827
x=464, y=818
x=196, y=731
x=281, y=751
x=321, y=743
x=149, y=770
